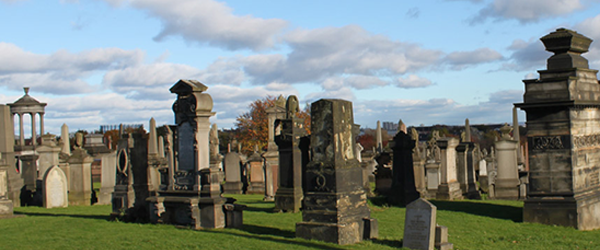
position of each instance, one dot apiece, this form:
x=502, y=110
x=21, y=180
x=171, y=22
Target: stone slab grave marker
x=419, y=225
x=55, y=188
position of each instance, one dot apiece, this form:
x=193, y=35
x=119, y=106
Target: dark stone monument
x=472, y=189
x=403, y=189
x=563, y=110
x=123, y=196
x=335, y=204
x=293, y=156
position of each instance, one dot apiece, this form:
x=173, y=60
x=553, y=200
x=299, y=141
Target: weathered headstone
x=55, y=188
x=507, y=179
x=7, y=156
x=449, y=188
x=48, y=154
x=335, y=205
x=256, y=174
x=419, y=225
x=6, y=205
x=293, y=156
x=432, y=165
x=233, y=165
x=80, y=192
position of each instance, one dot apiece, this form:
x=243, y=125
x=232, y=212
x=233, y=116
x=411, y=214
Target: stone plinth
x=563, y=131
x=256, y=174
x=449, y=188
x=433, y=177
x=233, y=173
x=335, y=205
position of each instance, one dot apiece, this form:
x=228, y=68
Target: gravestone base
x=579, y=212
x=256, y=188
x=507, y=189
x=105, y=196
x=342, y=234
x=233, y=188
x=181, y=208
x=80, y=198
x=288, y=200
x=122, y=199
x=484, y=183
x=234, y=217
x=449, y=191
x=6, y=207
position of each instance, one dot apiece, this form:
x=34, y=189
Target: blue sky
x=98, y=62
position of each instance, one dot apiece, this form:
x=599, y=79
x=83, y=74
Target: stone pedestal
x=256, y=174
x=507, y=179
x=449, y=188
x=80, y=192
x=461, y=166
x=335, y=205
x=563, y=131
x=472, y=162
x=6, y=205
x=233, y=174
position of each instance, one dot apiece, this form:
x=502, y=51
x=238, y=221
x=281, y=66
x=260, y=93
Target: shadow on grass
x=260, y=209
x=269, y=237
x=95, y=217
x=390, y=243
x=484, y=209
x=255, y=229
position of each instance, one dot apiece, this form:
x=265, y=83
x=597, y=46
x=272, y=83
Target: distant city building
x=390, y=126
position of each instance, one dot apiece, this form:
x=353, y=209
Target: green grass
x=472, y=225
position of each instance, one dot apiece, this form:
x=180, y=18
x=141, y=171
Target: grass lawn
x=471, y=224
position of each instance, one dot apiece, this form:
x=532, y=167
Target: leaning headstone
x=335, y=205
x=55, y=188
x=419, y=225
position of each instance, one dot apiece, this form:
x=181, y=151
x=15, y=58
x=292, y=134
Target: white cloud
x=210, y=22
x=412, y=81
x=526, y=11
x=461, y=59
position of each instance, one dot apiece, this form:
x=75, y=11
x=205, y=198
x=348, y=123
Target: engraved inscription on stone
x=3, y=184
x=419, y=227
x=186, y=146
x=586, y=141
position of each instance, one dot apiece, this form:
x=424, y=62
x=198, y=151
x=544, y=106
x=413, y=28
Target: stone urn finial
x=505, y=132
x=567, y=46
x=26, y=89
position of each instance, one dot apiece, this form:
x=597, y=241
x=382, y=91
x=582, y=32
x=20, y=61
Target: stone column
x=21, y=131
x=449, y=188
x=461, y=166
x=272, y=155
x=41, y=124
x=335, y=205
x=507, y=179
x=33, y=130
x=378, y=138
x=66, y=143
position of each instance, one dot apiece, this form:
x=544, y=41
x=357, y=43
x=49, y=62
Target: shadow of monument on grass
x=272, y=237
x=83, y=216
x=255, y=229
x=390, y=243
x=504, y=212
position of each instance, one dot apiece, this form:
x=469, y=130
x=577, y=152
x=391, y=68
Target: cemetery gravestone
x=55, y=188
x=335, y=205
x=419, y=225
x=403, y=190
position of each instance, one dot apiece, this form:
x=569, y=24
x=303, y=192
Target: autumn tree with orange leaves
x=253, y=128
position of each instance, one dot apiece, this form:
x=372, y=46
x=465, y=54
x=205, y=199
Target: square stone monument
x=563, y=133
x=449, y=188
x=335, y=203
